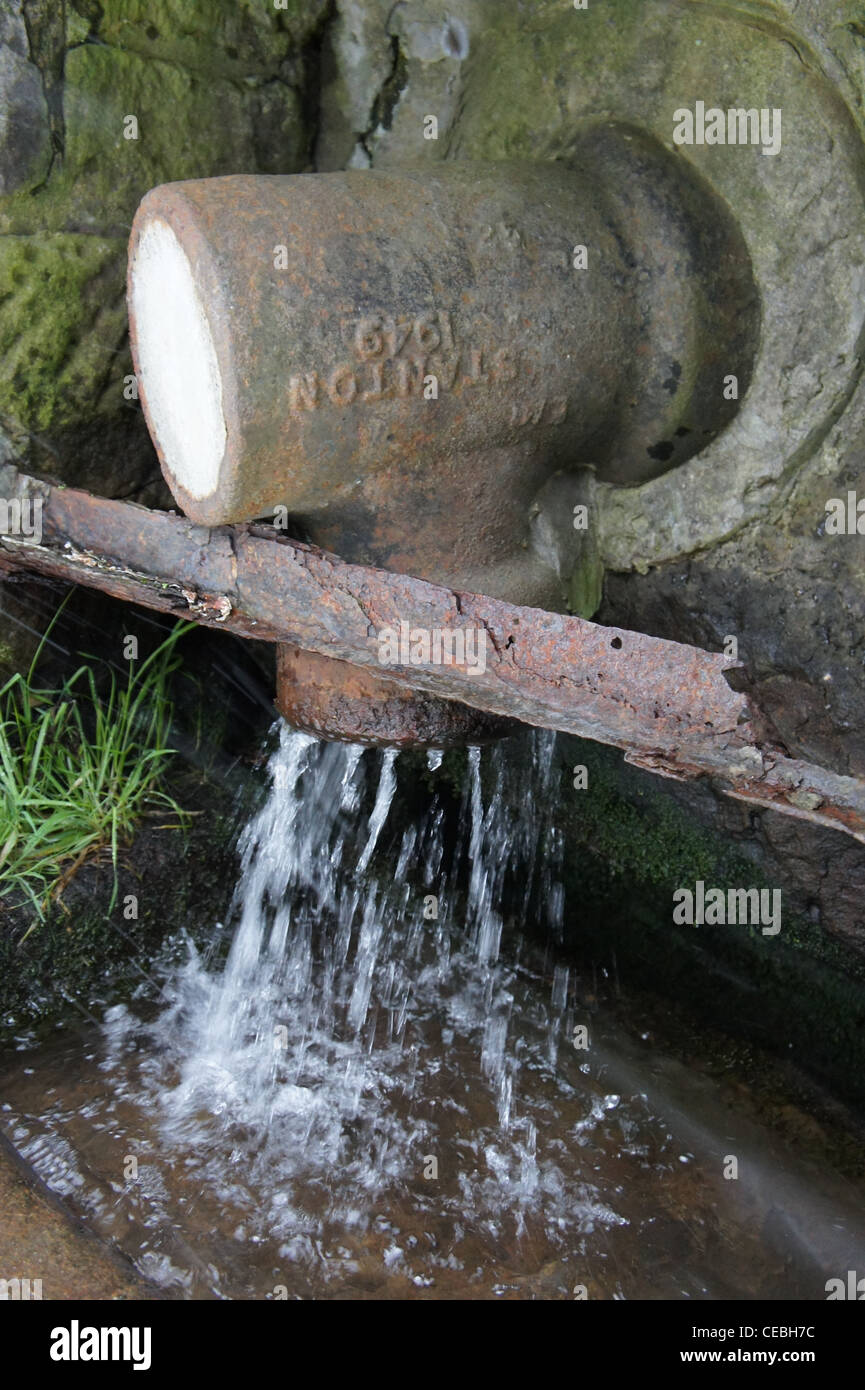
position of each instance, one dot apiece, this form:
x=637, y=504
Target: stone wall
x=99, y=101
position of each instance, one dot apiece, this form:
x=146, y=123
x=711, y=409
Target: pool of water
x=380, y=1090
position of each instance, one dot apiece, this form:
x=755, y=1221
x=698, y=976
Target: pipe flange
x=548, y=74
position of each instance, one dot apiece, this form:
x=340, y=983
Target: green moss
x=214, y=89
x=228, y=37
x=638, y=833
x=62, y=316
x=132, y=124
x=62, y=296
x=78, y=28
x=586, y=586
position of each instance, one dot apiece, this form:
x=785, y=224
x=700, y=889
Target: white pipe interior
x=177, y=365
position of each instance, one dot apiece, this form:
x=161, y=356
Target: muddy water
x=380, y=1093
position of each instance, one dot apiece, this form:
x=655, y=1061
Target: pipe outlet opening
x=178, y=371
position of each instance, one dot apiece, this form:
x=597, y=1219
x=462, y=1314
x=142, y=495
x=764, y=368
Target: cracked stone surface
x=25, y=135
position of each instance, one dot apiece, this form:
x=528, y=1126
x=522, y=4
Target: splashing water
x=322, y=1009
x=372, y=1094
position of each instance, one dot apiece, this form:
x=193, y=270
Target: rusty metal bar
x=668, y=706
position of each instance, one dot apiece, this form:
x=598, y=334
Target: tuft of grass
x=78, y=768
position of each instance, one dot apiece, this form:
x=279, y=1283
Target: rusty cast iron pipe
x=401, y=361
x=336, y=700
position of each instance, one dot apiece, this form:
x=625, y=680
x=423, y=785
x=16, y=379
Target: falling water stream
x=379, y=1092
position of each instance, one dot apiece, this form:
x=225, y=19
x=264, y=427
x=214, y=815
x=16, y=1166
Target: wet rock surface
x=792, y=595
x=41, y=1241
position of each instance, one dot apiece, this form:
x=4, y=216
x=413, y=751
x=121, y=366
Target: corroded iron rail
x=667, y=705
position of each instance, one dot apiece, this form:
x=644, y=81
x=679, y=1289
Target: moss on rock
x=138, y=92
x=62, y=317
x=229, y=37
x=132, y=123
